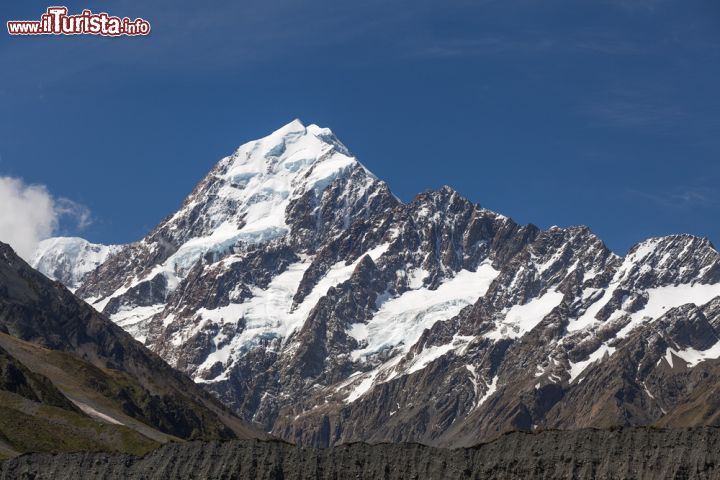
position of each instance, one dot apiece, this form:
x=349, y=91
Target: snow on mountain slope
x=68, y=259
x=401, y=320
x=297, y=289
x=256, y=185
x=269, y=314
x=244, y=201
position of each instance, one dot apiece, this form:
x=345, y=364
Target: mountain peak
x=68, y=259
x=246, y=197
x=297, y=186
x=295, y=126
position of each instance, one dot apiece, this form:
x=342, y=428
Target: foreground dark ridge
x=71, y=380
x=636, y=453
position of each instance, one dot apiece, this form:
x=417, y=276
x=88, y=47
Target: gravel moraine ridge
x=638, y=453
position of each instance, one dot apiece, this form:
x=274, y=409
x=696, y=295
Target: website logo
x=56, y=21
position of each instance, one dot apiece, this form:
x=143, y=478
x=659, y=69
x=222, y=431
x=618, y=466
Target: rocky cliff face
x=70, y=379
x=298, y=290
x=636, y=453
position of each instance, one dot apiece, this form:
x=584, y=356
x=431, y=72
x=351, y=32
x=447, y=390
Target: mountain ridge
x=359, y=317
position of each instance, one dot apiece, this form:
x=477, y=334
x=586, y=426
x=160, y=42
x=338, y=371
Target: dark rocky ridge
x=634, y=453
x=61, y=362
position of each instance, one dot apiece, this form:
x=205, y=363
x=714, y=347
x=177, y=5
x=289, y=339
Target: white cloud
x=79, y=212
x=29, y=213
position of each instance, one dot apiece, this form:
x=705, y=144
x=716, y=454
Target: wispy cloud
x=639, y=5
x=484, y=44
x=237, y=33
x=637, y=112
x=681, y=198
x=652, y=105
x=607, y=42
x=77, y=212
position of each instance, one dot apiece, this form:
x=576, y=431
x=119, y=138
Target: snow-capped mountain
x=68, y=259
x=294, y=286
x=288, y=191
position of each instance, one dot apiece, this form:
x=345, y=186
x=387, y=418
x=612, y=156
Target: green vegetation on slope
x=27, y=426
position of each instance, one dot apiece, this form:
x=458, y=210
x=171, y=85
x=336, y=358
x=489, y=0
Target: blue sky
x=604, y=113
